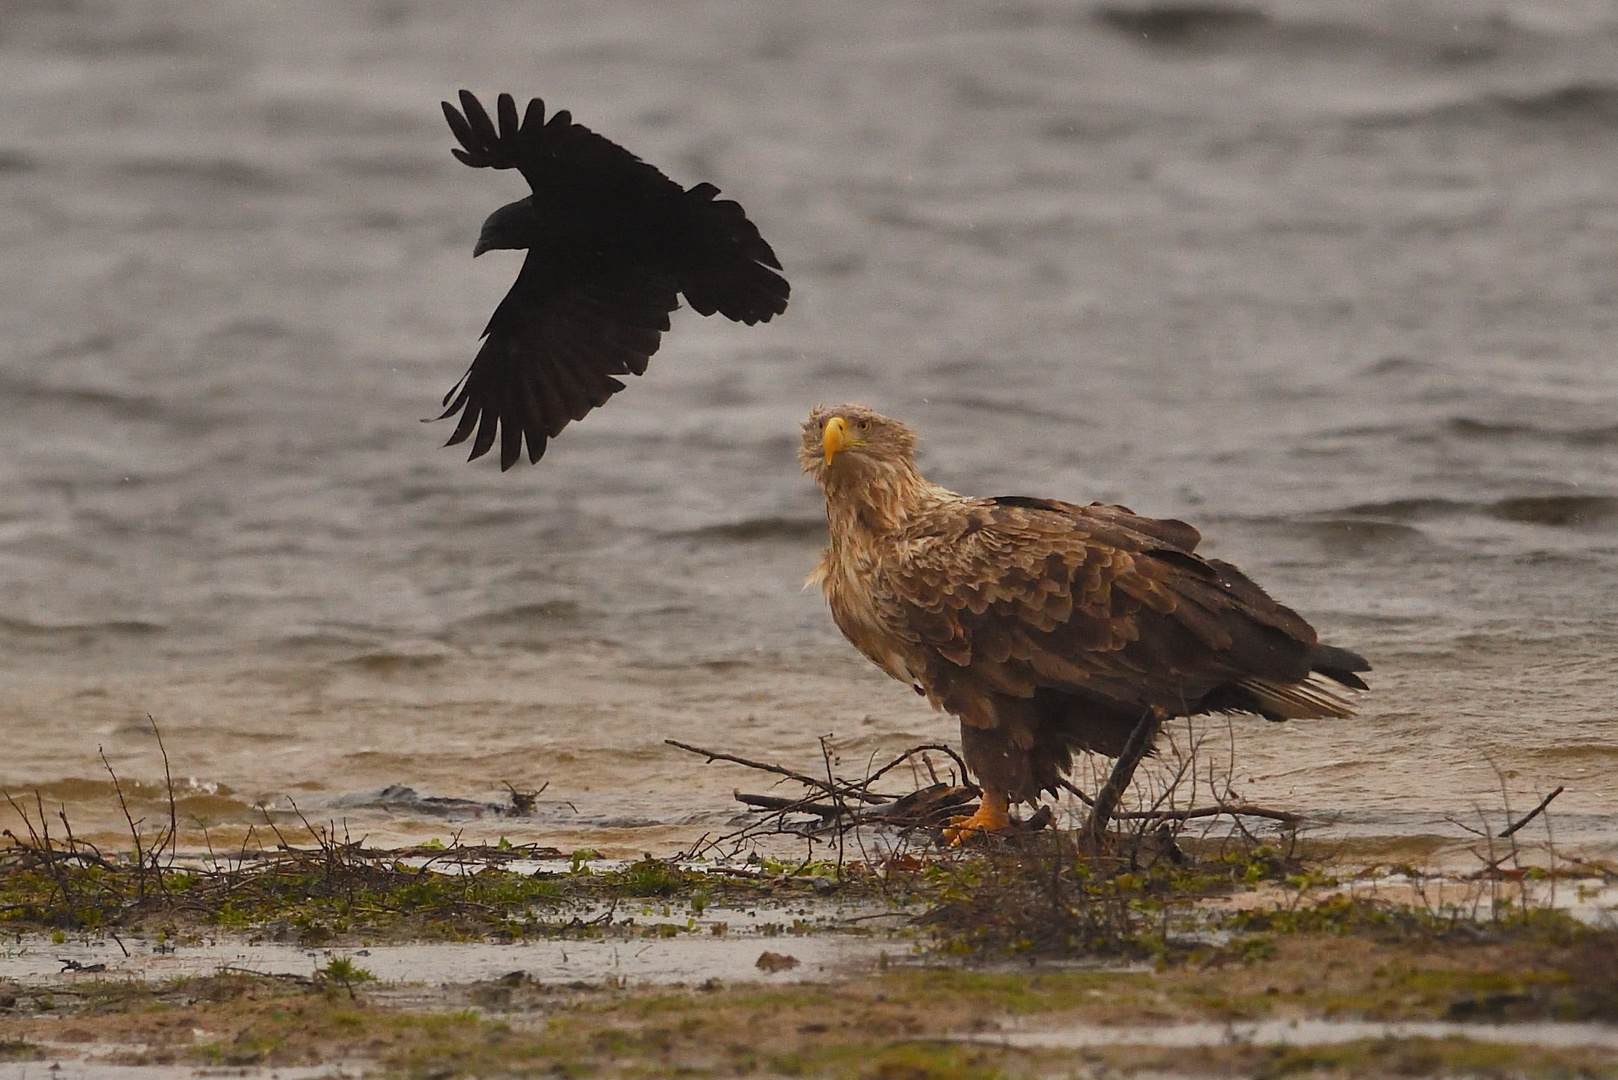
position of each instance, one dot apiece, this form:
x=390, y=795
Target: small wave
x=1397, y=365
x=396, y=166
x=1577, y=753
x=1408, y=509
x=194, y=799
x=1469, y=428
x=1570, y=105
x=1579, y=101
x=227, y=173
x=118, y=404
x=1010, y=408
x=548, y=613
x=1183, y=24
x=1557, y=511
x=1349, y=532
x=111, y=628
x=388, y=662
x=752, y=530
x=1595, y=437
x=534, y=627
x=1413, y=41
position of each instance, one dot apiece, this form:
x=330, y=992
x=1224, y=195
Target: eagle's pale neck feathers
x=874, y=497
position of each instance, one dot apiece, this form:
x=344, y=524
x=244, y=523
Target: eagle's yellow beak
x=833, y=437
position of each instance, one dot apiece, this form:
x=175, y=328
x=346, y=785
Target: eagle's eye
x=863, y=425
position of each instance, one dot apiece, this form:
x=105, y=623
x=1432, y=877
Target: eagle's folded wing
x=1096, y=601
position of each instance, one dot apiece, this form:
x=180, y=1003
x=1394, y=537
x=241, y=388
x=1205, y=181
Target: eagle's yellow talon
x=991, y=817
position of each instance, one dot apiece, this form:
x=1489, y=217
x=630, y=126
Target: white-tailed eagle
x=1046, y=627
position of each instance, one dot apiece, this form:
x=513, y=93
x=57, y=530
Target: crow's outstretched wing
x=613, y=243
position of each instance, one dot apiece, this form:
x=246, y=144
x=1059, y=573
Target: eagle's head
x=853, y=443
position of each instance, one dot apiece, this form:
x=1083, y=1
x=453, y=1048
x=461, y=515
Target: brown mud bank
x=1533, y=998
x=972, y=963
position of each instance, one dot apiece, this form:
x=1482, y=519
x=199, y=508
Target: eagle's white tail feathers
x=1314, y=698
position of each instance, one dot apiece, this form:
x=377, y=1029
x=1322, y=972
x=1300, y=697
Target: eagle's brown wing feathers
x=1021, y=596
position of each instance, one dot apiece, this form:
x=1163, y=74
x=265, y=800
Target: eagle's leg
x=992, y=816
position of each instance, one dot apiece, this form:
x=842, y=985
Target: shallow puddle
x=624, y=960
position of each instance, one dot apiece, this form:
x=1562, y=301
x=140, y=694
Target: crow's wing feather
x=550, y=355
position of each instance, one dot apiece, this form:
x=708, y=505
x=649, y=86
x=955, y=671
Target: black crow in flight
x=611, y=243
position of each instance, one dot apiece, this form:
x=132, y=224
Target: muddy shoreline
x=1348, y=969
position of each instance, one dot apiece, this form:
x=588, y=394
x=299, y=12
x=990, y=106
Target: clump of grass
x=342, y=971
x=1043, y=895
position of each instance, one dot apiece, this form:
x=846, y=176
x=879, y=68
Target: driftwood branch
x=1531, y=815
x=1221, y=810
x=775, y=802
x=912, y=752
x=845, y=790
x=1123, y=771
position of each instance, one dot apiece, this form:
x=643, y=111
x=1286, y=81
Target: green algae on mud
x=1150, y=897
x=331, y=892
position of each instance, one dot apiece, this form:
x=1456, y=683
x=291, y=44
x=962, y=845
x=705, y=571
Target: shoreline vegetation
x=1167, y=921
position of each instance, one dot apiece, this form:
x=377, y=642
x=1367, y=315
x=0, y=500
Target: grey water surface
x=1336, y=282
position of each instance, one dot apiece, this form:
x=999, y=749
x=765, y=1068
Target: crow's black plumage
x=611, y=243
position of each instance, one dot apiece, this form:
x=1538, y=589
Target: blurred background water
x=1333, y=281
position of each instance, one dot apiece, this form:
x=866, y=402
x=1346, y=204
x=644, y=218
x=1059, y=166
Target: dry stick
x=914, y=750
x=40, y=850
x=1221, y=810
x=168, y=782
x=174, y=828
x=808, y=781
x=60, y=876
x=775, y=802
x=1123, y=770
x=1187, y=761
x=73, y=843
x=1073, y=789
x=837, y=800
x=28, y=823
x=134, y=829
x=1531, y=815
